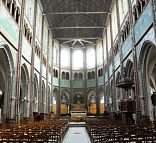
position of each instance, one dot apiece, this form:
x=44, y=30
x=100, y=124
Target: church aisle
x=76, y=135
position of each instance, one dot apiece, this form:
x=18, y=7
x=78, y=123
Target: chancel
x=78, y=71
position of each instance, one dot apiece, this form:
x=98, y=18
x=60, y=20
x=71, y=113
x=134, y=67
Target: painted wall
x=26, y=49
x=143, y=22
x=100, y=80
x=65, y=83
x=91, y=83
x=127, y=46
x=8, y=26
x=55, y=81
x=78, y=84
x=117, y=61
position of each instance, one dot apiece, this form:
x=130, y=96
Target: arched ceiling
x=73, y=21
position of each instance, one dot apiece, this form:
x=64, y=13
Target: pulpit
x=127, y=106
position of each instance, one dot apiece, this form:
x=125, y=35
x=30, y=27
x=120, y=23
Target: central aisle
x=76, y=135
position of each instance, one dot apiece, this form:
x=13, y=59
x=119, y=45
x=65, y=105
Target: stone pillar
x=41, y=64
x=18, y=70
x=59, y=101
x=51, y=99
x=96, y=78
x=47, y=73
x=32, y=63
x=85, y=76
x=71, y=79
x=136, y=77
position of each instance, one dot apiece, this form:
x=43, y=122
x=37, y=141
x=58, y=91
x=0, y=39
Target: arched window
x=122, y=36
x=25, y=30
x=63, y=75
x=78, y=59
x=143, y=3
x=128, y=26
x=139, y=6
x=56, y=73
x=76, y=76
x=90, y=57
x=93, y=75
x=125, y=33
x=13, y=9
x=67, y=75
x=30, y=38
x=80, y=76
x=99, y=73
x=65, y=57
x=17, y=18
x=89, y=75
x=134, y=14
x=28, y=34
x=9, y=4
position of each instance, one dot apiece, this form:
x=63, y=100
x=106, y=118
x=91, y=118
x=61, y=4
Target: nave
x=91, y=130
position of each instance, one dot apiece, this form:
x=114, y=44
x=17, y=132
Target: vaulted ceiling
x=73, y=21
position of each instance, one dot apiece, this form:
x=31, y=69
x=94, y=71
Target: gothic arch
x=66, y=93
x=118, y=93
x=101, y=102
x=55, y=101
x=78, y=96
x=7, y=72
x=65, y=101
x=63, y=75
x=76, y=76
x=48, y=100
x=24, y=98
x=91, y=102
x=43, y=98
x=67, y=75
x=147, y=64
x=35, y=100
x=80, y=76
x=111, y=96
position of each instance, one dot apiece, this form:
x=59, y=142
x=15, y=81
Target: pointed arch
x=91, y=102
x=143, y=64
x=65, y=101
x=48, y=100
x=43, y=98
x=35, y=97
x=24, y=97
x=101, y=102
x=8, y=72
x=55, y=101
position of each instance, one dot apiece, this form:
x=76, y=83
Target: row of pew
x=51, y=130
x=103, y=131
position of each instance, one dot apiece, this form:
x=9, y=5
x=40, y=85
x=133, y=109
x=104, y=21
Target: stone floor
x=76, y=135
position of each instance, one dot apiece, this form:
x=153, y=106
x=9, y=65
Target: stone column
x=41, y=66
x=32, y=63
x=18, y=70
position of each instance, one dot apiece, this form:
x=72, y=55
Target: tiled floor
x=76, y=135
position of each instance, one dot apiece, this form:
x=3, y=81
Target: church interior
x=78, y=71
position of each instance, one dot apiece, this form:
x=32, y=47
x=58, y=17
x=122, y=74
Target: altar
x=78, y=115
x=78, y=112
